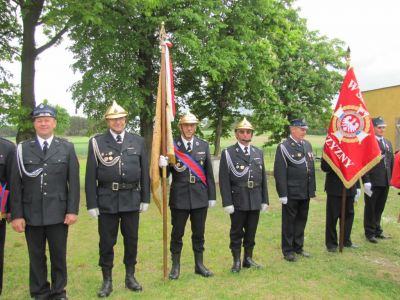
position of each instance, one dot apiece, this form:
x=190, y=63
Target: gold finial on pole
x=348, y=57
x=163, y=34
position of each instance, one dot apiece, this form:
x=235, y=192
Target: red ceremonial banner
x=351, y=148
x=395, y=181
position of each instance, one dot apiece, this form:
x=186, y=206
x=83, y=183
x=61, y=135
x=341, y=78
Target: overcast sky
x=369, y=27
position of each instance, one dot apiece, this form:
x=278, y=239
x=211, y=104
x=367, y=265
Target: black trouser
x=108, y=231
x=373, y=210
x=56, y=236
x=333, y=213
x=294, y=220
x=198, y=223
x=2, y=241
x=243, y=227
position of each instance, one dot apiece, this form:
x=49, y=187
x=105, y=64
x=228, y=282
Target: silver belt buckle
x=192, y=179
x=115, y=186
x=250, y=184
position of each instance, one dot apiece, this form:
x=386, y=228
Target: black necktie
x=45, y=147
x=245, y=150
x=382, y=145
x=189, y=149
x=119, y=139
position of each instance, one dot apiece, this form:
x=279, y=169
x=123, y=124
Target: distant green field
x=81, y=145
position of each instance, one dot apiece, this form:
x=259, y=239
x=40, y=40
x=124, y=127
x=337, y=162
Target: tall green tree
x=308, y=76
x=119, y=56
x=51, y=18
x=234, y=66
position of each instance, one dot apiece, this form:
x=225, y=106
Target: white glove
x=163, y=161
x=367, y=189
x=358, y=194
x=230, y=209
x=93, y=212
x=264, y=207
x=211, y=203
x=283, y=200
x=143, y=207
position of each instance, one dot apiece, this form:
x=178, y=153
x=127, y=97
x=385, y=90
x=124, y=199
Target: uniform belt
x=249, y=184
x=190, y=179
x=116, y=186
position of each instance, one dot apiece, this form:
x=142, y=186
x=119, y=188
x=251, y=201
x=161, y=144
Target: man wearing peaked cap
x=244, y=192
x=376, y=185
x=45, y=201
x=117, y=187
x=192, y=193
x=295, y=183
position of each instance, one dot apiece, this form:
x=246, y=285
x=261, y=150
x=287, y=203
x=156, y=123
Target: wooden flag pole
x=164, y=149
x=343, y=210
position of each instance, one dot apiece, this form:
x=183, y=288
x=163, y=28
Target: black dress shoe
x=383, y=237
x=303, y=253
x=290, y=257
x=372, y=240
x=331, y=249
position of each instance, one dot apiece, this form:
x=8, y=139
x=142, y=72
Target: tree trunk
x=222, y=105
x=146, y=130
x=31, y=13
x=218, y=133
x=146, y=84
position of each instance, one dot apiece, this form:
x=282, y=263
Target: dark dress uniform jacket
x=235, y=190
x=133, y=168
x=7, y=150
x=293, y=180
x=333, y=184
x=381, y=174
x=186, y=195
x=47, y=198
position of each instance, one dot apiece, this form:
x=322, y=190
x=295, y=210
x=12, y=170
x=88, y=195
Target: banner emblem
x=351, y=124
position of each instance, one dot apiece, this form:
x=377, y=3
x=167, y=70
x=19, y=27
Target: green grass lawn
x=369, y=272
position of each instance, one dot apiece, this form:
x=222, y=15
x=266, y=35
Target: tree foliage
x=308, y=76
x=20, y=22
x=230, y=57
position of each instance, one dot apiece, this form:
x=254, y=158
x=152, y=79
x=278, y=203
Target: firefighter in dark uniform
x=7, y=150
x=376, y=185
x=190, y=196
x=45, y=201
x=295, y=183
x=334, y=188
x=244, y=192
x=117, y=189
